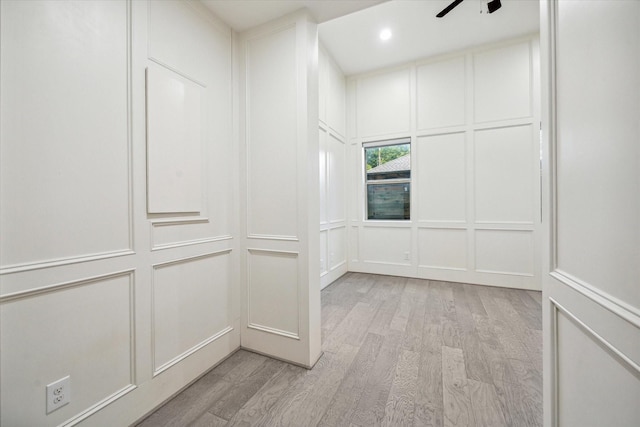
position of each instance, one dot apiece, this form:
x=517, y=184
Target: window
x=388, y=179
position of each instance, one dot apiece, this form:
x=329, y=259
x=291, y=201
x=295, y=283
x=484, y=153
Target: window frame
x=367, y=181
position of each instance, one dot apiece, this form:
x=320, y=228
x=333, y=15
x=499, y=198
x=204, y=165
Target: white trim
x=613, y=349
x=160, y=369
x=98, y=406
x=176, y=71
x=178, y=221
x=273, y=237
x=65, y=285
x=614, y=305
x=57, y=262
x=274, y=331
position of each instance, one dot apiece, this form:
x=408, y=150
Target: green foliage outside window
x=377, y=156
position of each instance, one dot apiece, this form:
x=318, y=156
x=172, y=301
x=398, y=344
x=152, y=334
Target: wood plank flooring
x=397, y=352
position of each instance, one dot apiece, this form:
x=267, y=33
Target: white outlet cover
x=58, y=394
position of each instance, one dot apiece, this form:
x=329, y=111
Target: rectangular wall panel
x=82, y=329
x=337, y=246
x=336, y=176
x=323, y=155
x=617, y=383
x=440, y=248
x=324, y=252
x=384, y=103
x=597, y=151
x=336, y=115
x=442, y=175
x=174, y=142
x=504, y=251
x=441, y=93
x=505, y=165
x=272, y=134
x=64, y=169
x=273, y=301
x=354, y=244
x=503, y=83
x=323, y=83
x=386, y=245
x=191, y=306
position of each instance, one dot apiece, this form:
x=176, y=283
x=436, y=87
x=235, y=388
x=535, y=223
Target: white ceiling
x=349, y=29
x=354, y=42
x=245, y=14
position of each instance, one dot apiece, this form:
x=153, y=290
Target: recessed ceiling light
x=385, y=34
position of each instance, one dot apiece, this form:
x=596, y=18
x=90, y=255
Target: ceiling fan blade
x=448, y=8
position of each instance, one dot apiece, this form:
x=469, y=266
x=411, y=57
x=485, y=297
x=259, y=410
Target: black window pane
x=388, y=201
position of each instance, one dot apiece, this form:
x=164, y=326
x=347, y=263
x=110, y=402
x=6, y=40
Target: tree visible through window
x=388, y=179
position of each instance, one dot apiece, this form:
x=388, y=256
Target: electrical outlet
x=58, y=394
x=406, y=256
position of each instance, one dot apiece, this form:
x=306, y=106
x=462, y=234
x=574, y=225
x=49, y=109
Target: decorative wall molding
x=190, y=243
x=442, y=225
x=159, y=369
x=274, y=331
x=162, y=222
x=556, y=309
x=614, y=305
x=20, y=268
x=264, y=328
x=38, y=292
x=505, y=273
x=98, y=406
x=178, y=72
x=66, y=285
x=435, y=267
x=273, y=237
x=191, y=258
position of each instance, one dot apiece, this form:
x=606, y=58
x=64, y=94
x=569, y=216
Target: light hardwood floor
x=397, y=352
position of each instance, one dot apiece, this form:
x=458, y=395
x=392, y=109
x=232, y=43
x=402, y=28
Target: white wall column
x=279, y=167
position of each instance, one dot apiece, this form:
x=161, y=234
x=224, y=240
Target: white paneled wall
x=279, y=151
x=473, y=121
x=333, y=177
x=591, y=249
x=128, y=282
x=45, y=116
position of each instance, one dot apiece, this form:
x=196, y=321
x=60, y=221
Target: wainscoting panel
x=174, y=142
x=337, y=247
x=324, y=252
x=273, y=297
x=324, y=196
x=191, y=306
x=384, y=103
x=83, y=329
x=70, y=157
x=386, y=245
x=442, y=248
x=505, y=174
x=272, y=134
x=441, y=93
x=442, y=178
x=336, y=177
x=578, y=349
x=502, y=81
x=504, y=252
x=336, y=115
